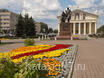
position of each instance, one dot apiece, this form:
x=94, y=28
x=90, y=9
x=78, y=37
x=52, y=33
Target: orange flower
x=52, y=65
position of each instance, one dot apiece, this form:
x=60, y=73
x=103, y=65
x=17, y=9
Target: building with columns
x=82, y=23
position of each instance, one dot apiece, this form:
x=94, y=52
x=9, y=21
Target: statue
x=63, y=17
x=66, y=16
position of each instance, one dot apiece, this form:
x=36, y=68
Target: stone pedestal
x=64, y=31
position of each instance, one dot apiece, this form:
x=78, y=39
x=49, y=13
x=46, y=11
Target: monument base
x=64, y=32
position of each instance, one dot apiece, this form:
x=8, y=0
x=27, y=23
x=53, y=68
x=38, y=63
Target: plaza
x=90, y=53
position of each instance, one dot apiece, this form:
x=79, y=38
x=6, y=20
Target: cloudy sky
x=47, y=10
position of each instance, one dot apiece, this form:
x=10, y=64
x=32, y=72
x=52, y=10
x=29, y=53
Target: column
x=79, y=28
x=59, y=21
x=73, y=28
x=58, y=28
x=84, y=28
x=95, y=27
x=90, y=28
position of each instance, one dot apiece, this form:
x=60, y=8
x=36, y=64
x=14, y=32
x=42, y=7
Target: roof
x=78, y=10
x=4, y=10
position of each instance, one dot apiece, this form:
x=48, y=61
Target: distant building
x=38, y=26
x=8, y=20
x=81, y=23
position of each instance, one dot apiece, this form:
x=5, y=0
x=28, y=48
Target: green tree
x=101, y=29
x=44, y=27
x=25, y=26
x=55, y=31
x=29, y=26
x=50, y=30
x=20, y=27
x=0, y=30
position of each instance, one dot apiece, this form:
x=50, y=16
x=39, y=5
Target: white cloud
x=41, y=8
x=37, y=8
x=103, y=2
x=84, y=3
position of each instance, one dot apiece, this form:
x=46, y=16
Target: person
x=68, y=14
x=63, y=17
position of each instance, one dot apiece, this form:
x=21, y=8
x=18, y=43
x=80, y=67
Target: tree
x=0, y=31
x=32, y=27
x=20, y=27
x=50, y=30
x=29, y=26
x=101, y=29
x=44, y=27
x=55, y=31
x=25, y=26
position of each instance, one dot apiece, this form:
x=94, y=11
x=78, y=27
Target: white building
x=8, y=20
x=82, y=23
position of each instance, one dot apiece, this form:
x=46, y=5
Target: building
x=38, y=26
x=82, y=23
x=8, y=20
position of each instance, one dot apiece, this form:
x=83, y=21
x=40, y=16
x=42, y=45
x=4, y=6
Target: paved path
x=90, y=53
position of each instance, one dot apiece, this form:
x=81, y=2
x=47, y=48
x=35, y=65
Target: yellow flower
x=50, y=54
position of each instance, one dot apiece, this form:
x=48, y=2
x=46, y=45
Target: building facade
x=8, y=20
x=37, y=27
x=82, y=23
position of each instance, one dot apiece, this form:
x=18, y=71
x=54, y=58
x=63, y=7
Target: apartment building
x=8, y=20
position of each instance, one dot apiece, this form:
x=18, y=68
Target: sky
x=47, y=10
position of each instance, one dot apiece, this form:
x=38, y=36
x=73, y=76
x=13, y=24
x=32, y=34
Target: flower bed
x=46, y=54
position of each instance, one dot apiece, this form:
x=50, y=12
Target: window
x=4, y=15
x=84, y=16
x=6, y=19
x=77, y=16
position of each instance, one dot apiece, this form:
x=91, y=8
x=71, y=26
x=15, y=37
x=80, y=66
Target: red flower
x=58, y=46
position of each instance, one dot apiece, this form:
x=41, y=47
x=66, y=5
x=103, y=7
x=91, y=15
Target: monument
x=64, y=25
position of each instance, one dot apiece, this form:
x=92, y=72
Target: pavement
x=89, y=60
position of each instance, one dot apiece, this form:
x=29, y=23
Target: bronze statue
x=66, y=16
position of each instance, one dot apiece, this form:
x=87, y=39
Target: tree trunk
x=0, y=41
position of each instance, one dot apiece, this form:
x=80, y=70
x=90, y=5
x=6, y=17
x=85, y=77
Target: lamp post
x=44, y=30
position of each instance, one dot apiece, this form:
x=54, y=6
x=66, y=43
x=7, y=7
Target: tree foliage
x=25, y=26
x=101, y=29
x=44, y=27
x=20, y=27
x=50, y=30
x=55, y=31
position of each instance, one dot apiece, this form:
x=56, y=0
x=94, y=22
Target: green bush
x=29, y=42
x=25, y=69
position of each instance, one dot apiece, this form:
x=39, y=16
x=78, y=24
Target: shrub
x=29, y=42
x=25, y=69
